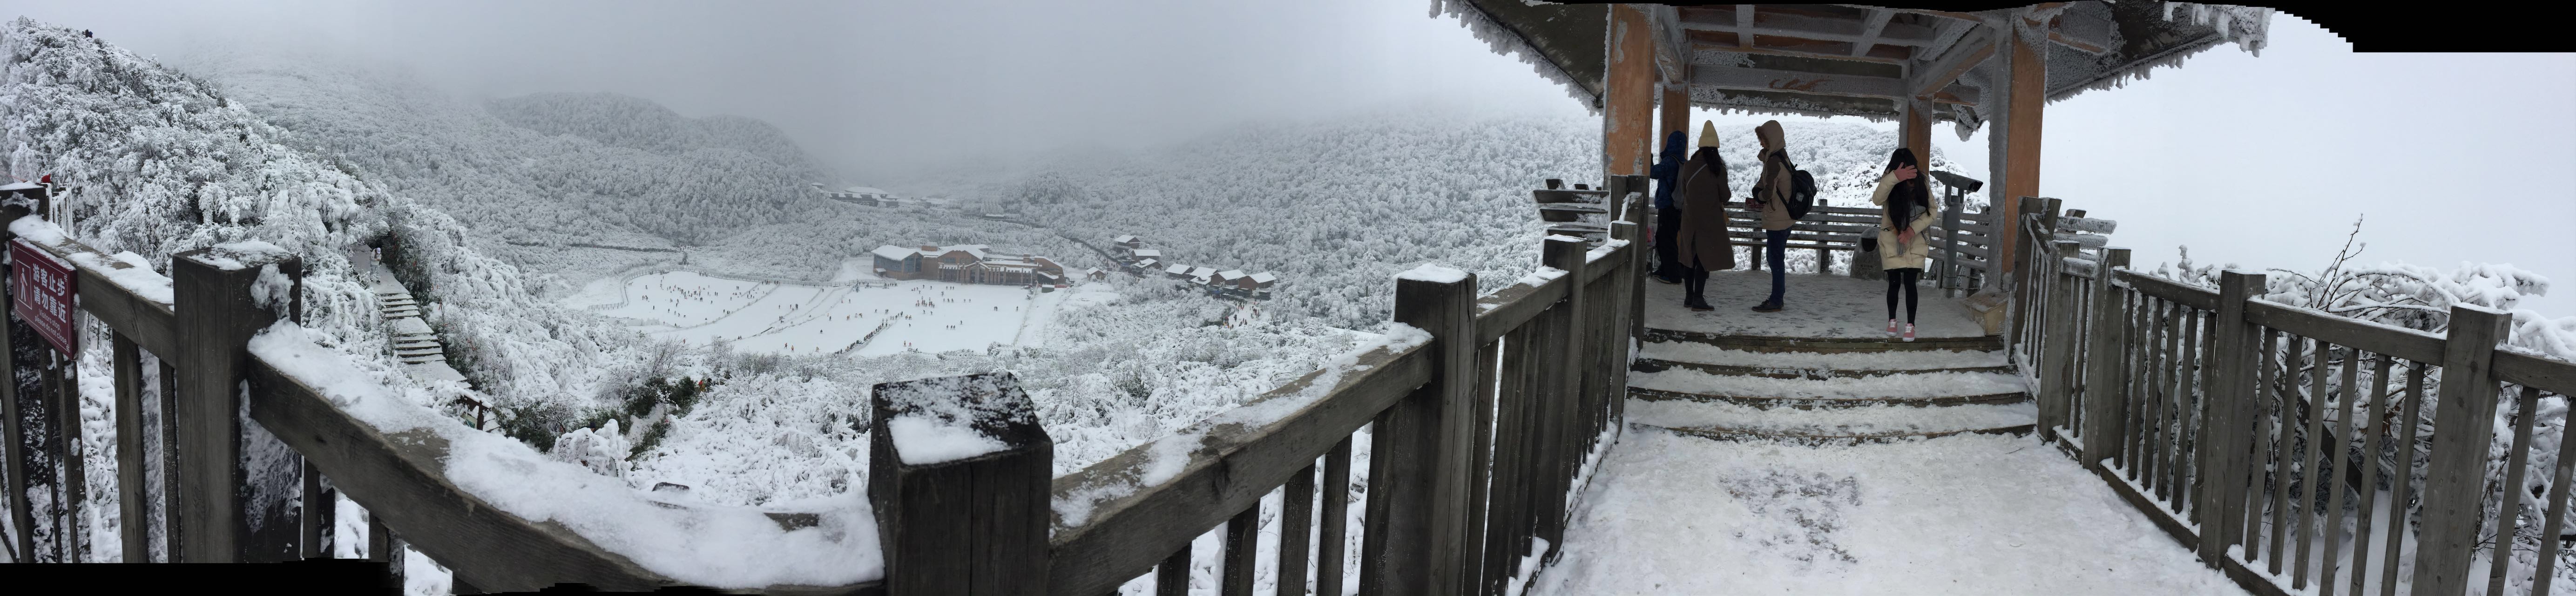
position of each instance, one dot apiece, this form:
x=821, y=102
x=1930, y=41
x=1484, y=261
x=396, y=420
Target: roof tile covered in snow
x=1178, y=269
x=1148, y=252
x=1124, y=238
x=1230, y=274
x=1202, y=271
x=1264, y=277
x=895, y=253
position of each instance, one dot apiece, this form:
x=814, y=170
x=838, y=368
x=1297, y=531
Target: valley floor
x=1969, y=514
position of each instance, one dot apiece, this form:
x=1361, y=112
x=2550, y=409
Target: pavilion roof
x=1857, y=60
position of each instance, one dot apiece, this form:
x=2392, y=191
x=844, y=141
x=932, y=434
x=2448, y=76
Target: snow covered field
x=785, y=318
x=1969, y=514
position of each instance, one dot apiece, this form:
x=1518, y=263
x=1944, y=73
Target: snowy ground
x=1829, y=306
x=1970, y=514
x=787, y=318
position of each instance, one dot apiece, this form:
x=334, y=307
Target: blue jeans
x=1775, y=244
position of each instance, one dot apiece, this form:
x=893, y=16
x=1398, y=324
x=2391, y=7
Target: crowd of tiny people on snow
x=1690, y=237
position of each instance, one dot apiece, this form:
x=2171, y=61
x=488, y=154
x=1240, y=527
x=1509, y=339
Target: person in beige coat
x=1770, y=198
x=1702, y=244
x=1905, y=203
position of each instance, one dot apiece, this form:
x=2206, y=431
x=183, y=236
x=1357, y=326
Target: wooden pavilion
x=1997, y=67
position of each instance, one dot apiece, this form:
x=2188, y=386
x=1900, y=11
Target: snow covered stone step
x=418, y=352
x=423, y=359
x=401, y=312
x=1903, y=389
x=1826, y=345
x=1659, y=356
x=404, y=337
x=415, y=343
x=1830, y=426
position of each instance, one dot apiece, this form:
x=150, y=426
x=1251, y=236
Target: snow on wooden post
x=958, y=472
x=1560, y=386
x=2463, y=427
x=1417, y=515
x=223, y=296
x=2227, y=435
x=2105, y=391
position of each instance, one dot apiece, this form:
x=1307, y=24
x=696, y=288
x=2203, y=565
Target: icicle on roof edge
x=2246, y=26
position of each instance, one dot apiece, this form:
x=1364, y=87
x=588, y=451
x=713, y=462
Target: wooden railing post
x=1632, y=318
x=2106, y=394
x=2026, y=279
x=1561, y=387
x=2057, y=332
x=955, y=521
x=1948, y=276
x=2463, y=426
x=2226, y=435
x=126, y=365
x=217, y=315
x=1420, y=448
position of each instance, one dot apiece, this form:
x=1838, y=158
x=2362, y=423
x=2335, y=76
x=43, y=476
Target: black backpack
x=1802, y=189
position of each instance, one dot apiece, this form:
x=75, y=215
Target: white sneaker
x=1891, y=327
x=1909, y=332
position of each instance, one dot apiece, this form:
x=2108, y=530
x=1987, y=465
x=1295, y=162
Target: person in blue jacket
x=1668, y=216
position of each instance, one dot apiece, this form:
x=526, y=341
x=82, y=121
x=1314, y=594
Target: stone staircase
x=1825, y=391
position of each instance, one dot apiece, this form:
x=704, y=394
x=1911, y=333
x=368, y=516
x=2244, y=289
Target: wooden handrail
x=2554, y=376
x=1232, y=464
x=2394, y=341
x=401, y=478
x=2177, y=292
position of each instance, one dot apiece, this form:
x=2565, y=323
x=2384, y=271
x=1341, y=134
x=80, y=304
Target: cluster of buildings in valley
x=1133, y=255
x=971, y=264
x=873, y=197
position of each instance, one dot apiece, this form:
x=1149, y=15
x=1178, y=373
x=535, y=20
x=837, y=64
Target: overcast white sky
x=2259, y=161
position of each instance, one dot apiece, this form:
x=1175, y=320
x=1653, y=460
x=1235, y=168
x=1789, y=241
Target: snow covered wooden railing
x=1965, y=252
x=2220, y=414
x=1486, y=413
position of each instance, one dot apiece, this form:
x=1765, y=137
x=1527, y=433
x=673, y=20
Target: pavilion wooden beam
x=1725, y=42
x=1966, y=54
x=1743, y=23
x=1777, y=22
x=1954, y=15
x=1763, y=79
x=1955, y=94
x=1628, y=103
x=2081, y=31
x=1870, y=28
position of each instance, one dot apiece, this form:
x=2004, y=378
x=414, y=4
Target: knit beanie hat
x=1707, y=134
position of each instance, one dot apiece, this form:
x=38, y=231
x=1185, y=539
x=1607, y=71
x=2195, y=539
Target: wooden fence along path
x=2282, y=444
x=1484, y=413
x=2292, y=448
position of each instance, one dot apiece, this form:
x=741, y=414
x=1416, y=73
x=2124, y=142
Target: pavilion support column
x=1677, y=116
x=1917, y=131
x=2026, y=93
x=1628, y=108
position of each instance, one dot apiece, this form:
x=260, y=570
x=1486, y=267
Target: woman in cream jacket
x=1905, y=202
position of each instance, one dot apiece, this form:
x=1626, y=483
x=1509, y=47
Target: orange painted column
x=1628, y=102
x=1677, y=116
x=1918, y=131
x=2027, y=95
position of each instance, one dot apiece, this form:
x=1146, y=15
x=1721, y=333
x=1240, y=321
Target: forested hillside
x=551, y=169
